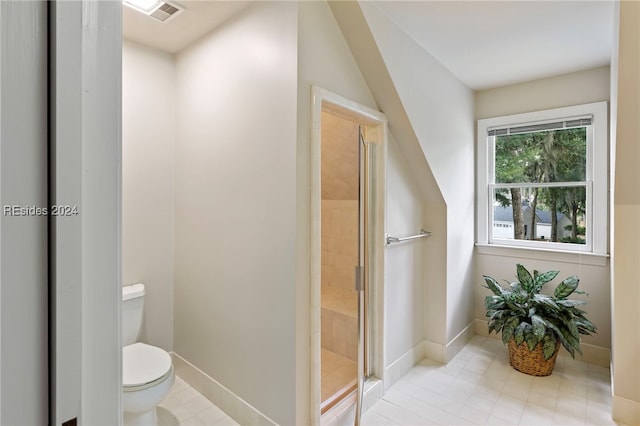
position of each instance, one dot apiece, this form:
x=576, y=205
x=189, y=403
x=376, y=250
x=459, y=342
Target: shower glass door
x=351, y=218
x=341, y=232
x=361, y=276
x=365, y=270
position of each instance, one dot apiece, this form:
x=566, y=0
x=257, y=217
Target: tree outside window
x=541, y=177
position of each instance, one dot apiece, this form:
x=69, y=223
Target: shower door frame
x=376, y=130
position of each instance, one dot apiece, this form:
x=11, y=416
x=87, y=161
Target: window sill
x=544, y=254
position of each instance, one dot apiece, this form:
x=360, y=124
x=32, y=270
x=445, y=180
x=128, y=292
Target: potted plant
x=534, y=324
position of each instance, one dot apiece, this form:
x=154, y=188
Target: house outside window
x=543, y=180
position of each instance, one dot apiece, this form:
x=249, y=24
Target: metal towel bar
x=422, y=233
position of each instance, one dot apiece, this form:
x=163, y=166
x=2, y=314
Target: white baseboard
x=426, y=349
x=591, y=354
x=234, y=406
x=458, y=342
x=373, y=391
x=445, y=353
x=625, y=411
x=402, y=365
x=435, y=351
x=482, y=328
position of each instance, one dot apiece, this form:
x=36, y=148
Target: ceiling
x=484, y=43
x=495, y=43
x=198, y=18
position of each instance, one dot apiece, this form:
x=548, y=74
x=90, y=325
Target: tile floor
x=184, y=406
x=337, y=372
x=478, y=387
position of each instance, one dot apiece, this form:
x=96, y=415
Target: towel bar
x=391, y=240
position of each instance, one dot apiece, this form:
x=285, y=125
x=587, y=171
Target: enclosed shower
x=340, y=239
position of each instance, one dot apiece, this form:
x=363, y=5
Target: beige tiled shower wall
x=340, y=334
x=339, y=257
x=339, y=243
x=339, y=237
x=339, y=158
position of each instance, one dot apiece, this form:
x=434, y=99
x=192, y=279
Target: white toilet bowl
x=147, y=377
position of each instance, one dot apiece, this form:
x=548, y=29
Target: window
x=543, y=181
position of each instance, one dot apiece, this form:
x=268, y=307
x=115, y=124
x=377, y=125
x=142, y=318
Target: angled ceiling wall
x=431, y=117
x=372, y=65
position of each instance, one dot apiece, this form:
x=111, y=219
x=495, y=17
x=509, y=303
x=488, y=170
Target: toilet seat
x=144, y=366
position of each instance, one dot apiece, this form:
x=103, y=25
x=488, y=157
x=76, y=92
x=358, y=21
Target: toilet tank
x=132, y=307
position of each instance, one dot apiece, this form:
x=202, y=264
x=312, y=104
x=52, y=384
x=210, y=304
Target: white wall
x=593, y=279
x=324, y=59
x=581, y=87
x=148, y=168
x=233, y=199
x=626, y=212
x=101, y=129
x=85, y=248
x=440, y=110
x=357, y=33
x=553, y=92
x=235, y=207
x=404, y=263
x=23, y=267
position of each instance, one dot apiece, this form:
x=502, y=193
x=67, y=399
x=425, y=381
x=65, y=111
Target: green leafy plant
x=521, y=312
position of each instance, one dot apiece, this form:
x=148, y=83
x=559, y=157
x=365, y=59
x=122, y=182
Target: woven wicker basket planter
x=531, y=362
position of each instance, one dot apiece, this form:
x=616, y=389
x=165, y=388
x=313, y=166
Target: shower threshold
x=338, y=396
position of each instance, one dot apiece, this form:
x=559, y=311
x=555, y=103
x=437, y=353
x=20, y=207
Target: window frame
x=597, y=182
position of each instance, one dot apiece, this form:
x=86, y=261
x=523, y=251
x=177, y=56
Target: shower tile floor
x=184, y=406
x=337, y=373
x=479, y=387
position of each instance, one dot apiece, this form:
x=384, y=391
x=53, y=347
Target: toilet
x=147, y=371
